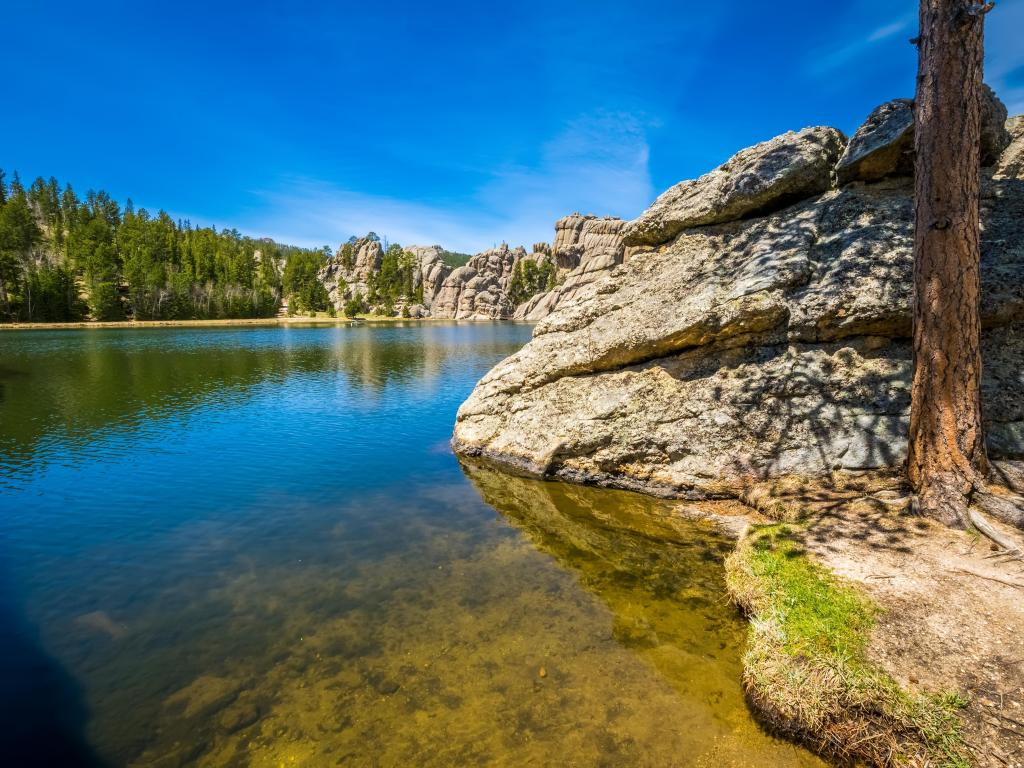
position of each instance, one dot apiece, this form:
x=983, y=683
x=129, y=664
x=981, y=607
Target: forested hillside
x=65, y=257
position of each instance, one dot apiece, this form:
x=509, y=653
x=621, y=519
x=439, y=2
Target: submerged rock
x=757, y=348
x=204, y=696
x=766, y=176
x=101, y=623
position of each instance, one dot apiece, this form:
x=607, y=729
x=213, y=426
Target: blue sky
x=464, y=124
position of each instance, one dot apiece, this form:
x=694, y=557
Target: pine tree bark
x=947, y=447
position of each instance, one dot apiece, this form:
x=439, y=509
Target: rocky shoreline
x=757, y=328
x=753, y=343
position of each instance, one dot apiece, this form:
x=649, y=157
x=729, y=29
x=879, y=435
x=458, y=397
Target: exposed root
x=988, y=531
x=1005, y=506
x=985, y=576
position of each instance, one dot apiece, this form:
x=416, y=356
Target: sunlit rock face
x=765, y=176
x=479, y=290
x=1011, y=163
x=884, y=144
x=348, y=272
x=430, y=273
x=731, y=347
x=585, y=249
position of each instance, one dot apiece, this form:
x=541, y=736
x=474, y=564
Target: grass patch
x=806, y=668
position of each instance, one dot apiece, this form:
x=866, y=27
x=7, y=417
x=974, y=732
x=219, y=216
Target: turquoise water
x=252, y=546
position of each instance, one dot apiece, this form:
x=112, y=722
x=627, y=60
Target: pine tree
x=947, y=459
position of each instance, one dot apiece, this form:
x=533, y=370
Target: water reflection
x=661, y=576
x=243, y=547
x=71, y=386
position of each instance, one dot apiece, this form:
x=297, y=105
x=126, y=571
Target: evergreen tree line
x=530, y=278
x=394, y=280
x=65, y=258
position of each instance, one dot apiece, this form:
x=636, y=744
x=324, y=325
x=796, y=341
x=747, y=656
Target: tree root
x=987, y=530
x=996, y=579
x=1005, y=506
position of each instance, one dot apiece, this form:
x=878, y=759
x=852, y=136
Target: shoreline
x=247, y=321
x=859, y=613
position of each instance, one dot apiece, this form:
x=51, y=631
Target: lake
x=253, y=547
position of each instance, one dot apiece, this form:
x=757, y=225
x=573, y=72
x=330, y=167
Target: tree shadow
x=817, y=409
x=43, y=714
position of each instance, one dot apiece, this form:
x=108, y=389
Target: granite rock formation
x=348, y=272
x=585, y=249
x=884, y=145
x=430, y=272
x=479, y=290
x=1011, y=163
x=768, y=175
x=737, y=343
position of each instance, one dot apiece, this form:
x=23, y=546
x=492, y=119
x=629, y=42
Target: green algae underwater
x=252, y=547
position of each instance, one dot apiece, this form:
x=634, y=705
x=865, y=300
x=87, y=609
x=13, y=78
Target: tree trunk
x=947, y=446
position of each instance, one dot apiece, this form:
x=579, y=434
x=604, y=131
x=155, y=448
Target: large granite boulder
x=884, y=144
x=762, y=178
x=766, y=347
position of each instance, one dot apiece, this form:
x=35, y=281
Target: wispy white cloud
x=597, y=164
x=824, y=63
x=888, y=30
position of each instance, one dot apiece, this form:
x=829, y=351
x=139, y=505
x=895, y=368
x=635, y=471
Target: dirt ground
x=953, y=615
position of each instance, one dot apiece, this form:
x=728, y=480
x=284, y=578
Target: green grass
x=807, y=670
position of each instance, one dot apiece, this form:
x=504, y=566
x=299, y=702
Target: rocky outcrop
x=764, y=177
x=348, y=272
x=567, y=237
x=1011, y=162
x=595, y=247
x=758, y=347
x=430, y=272
x=479, y=290
x=368, y=255
x=884, y=145
x=994, y=135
